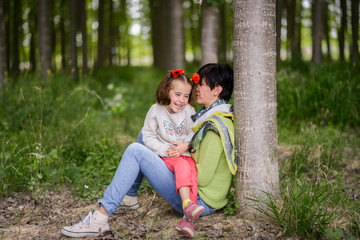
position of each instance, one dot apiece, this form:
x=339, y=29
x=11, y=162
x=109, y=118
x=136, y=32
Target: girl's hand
x=181, y=146
x=173, y=152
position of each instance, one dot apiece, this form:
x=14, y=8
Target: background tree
x=317, y=30
x=341, y=32
x=255, y=99
x=354, y=56
x=3, y=59
x=279, y=14
x=168, y=37
x=44, y=37
x=73, y=64
x=16, y=38
x=84, y=37
x=210, y=19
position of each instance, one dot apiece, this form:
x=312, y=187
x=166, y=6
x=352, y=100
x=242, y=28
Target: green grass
x=73, y=133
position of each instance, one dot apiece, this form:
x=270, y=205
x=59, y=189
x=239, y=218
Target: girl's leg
x=137, y=158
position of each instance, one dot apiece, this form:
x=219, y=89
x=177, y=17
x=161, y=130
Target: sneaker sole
x=132, y=207
x=186, y=231
x=79, y=235
x=196, y=214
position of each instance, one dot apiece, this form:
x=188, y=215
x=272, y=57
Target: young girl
x=167, y=132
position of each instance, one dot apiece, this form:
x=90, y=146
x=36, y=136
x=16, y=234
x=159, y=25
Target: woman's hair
x=218, y=74
x=162, y=92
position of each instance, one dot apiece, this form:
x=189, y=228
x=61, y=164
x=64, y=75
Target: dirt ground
x=24, y=217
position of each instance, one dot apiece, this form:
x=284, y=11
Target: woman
x=213, y=152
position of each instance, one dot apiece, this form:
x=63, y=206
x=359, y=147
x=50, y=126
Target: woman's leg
x=138, y=158
x=135, y=187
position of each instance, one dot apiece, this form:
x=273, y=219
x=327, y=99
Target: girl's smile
x=179, y=96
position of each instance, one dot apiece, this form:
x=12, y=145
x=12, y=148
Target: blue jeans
x=138, y=159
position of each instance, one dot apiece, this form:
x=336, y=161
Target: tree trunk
x=291, y=9
x=33, y=25
x=355, y=31
x=101, y=47
x=63, y=35
x=255, y=100
x=317, y=30
x=279, y=14
x=327, y=31
x=223, y=49
x=209, y=32
x=342, y=30
x=85, y=68
x=72, y=40
x=15, y=40
x=168, y=36
x=44, y=37
x=3, y=58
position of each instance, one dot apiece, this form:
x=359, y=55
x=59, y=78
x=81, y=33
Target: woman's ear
x=218, y=89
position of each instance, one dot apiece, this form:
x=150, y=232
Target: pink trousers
x=185, y=172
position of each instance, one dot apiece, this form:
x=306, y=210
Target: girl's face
x=179, y=96
x=206, y=96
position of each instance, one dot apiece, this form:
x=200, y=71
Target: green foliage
x=66, y=132
x=324, y=95
x=302, y=209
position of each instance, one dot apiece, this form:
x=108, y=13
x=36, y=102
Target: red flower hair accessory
x=177, y=72
x=195, y=78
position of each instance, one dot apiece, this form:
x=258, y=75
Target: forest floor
x=25, y=217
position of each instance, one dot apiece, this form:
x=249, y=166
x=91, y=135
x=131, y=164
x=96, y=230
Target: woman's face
x=206, y=96
x=179, y=96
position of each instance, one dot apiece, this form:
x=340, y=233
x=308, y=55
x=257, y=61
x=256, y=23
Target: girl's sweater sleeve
x=150, y=136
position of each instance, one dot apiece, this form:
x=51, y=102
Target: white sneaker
x=92, y=225
x=129, y=202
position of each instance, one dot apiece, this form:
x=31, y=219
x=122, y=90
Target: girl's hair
x=162, y=92
x=218, y=74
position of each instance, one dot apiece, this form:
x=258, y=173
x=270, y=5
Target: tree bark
x=3, y=58
x=16, y=38
x=255, y=100
x=342, y=31
x=100, y=49
x=317, y=30
x=210, y=16
x=168, y=37
x=63, y=35
x=85, y=68
x=327, y=32
x=72, y=40
x=355, y=31
x=44, y=37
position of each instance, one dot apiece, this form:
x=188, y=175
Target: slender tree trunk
x=44, y=37
x=85, y=68
x=255, y=100
x=15, y=40
x=210, y=16
x=317, y=30
x=63, y=35
x=101, y=47
x=194, y=34
x=33, y=25
x=355, y=31
x=342, y=30
x=327, y=31
x=279, y=14
x=291, y=9
x=3, y=58
x=72, y=39
x=223, y=49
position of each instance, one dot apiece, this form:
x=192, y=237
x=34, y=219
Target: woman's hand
x=178, y=149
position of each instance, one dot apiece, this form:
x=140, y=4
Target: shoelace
x=88, y=218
